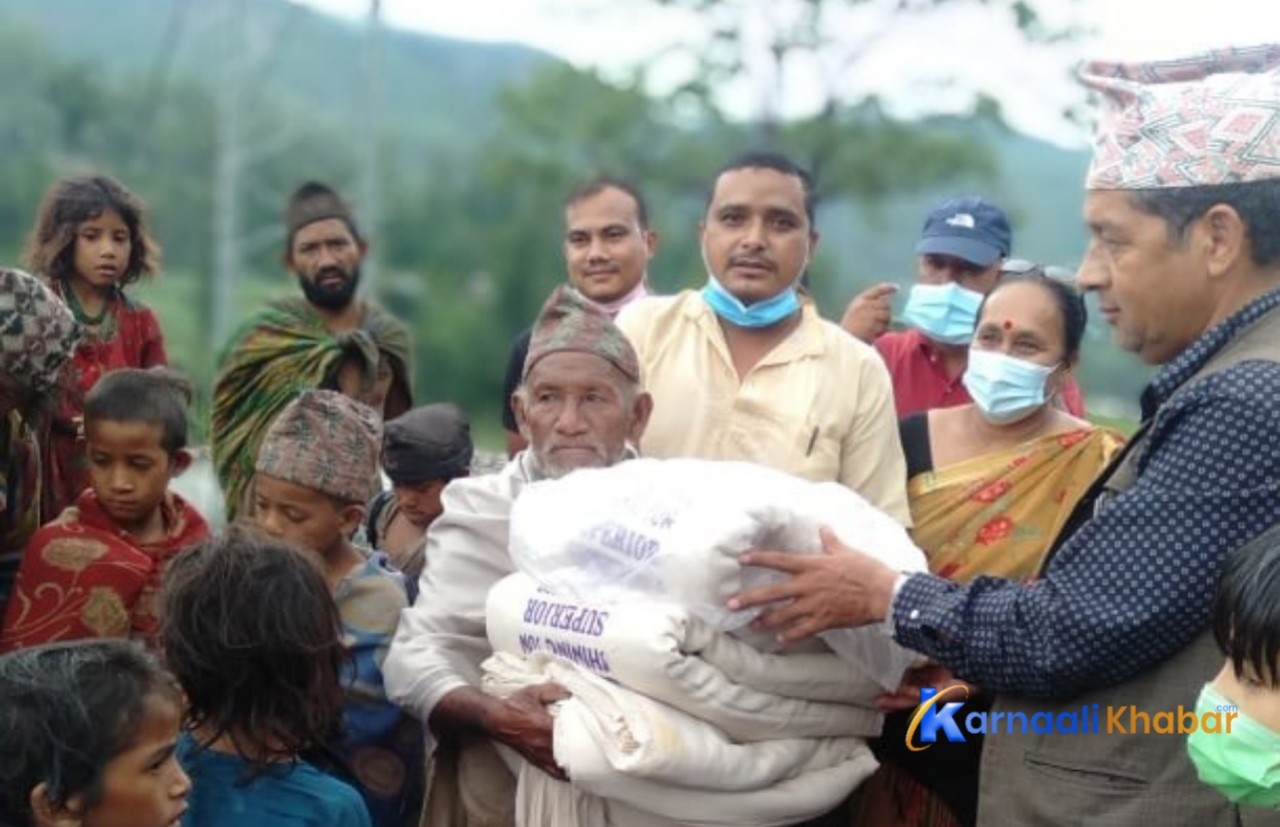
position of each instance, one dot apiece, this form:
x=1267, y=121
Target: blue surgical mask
x=1243, y=764
x=946, y=313
x=764, y=313
x=1005, y=389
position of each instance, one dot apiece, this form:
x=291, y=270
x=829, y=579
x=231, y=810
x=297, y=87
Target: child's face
x=420, y=503
x=144, y=786
x=1254, y=697
x=103, y=245
x=303, y=517
x=129, y=468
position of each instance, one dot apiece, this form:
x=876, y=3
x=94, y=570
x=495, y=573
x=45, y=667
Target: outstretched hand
x=838, y=588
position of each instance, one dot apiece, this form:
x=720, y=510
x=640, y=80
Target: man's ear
x=651, y=242
x=363, y=246
x=641, y=410
x=45, y=813
x=522, y=419
x=1226, y=239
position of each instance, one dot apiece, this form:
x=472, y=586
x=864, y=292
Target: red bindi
x=1008, y=325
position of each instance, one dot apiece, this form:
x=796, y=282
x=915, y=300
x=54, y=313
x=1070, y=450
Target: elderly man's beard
x=334, y=295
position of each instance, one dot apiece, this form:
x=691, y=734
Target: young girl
x=90, y=242
x=89, y=732
x=252, y=635
x=1244, y=761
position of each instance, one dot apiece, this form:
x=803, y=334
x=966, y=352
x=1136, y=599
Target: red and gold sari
x=996, y=514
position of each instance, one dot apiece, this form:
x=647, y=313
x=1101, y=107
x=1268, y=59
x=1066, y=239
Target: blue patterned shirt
x=1136, y=582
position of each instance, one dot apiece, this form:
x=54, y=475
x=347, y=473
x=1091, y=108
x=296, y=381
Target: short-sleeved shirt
x=285, y=795
x=819, y=405
x=920, y=383
x=511, y=381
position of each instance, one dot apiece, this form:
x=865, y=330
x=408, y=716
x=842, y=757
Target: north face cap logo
x=962, y=219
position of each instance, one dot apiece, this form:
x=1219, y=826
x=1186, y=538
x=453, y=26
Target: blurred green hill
x=478, y=143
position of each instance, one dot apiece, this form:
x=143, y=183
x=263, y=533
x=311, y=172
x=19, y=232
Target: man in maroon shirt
x=962, y=248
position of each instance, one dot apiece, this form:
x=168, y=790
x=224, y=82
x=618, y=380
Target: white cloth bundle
x=672, y=656
x=619, y=746
x=674, y=529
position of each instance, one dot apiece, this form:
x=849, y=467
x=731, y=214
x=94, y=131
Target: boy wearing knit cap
x=317, y=468
x=422, y=452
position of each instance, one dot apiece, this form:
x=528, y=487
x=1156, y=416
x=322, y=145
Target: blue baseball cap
x=969, y=228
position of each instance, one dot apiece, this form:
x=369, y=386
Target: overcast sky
x=965, y=45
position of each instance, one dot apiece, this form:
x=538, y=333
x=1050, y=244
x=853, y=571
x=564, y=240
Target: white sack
x=673, y=529
x=617, y=745
x=670, y=655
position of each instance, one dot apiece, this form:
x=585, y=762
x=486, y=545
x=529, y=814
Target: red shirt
x=920, y=382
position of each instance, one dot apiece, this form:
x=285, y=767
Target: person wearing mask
x=990, y=483
x=745, y=368
x=1184, y=255
x=962, y=253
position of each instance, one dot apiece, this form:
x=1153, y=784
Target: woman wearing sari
x=990, y=486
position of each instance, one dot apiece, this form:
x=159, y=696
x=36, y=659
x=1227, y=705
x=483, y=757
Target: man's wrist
x=467, y=709
x=895, y=586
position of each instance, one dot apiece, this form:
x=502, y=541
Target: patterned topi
x=38, y=332
x=1207, y=119
x=568, y=322
x=327, y=442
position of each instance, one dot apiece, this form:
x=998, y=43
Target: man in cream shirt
x=745, y=369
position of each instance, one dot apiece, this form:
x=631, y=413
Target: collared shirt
x=921, y=382
x=818, y=405
x=1135, y=583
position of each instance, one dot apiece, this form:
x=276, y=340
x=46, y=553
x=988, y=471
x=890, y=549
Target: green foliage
x=481, y=144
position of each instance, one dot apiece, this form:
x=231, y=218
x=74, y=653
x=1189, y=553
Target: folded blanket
x=669, y=654
x=618, y=745
x=674, y=530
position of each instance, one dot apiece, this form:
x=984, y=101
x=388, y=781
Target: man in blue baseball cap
x=962, y=247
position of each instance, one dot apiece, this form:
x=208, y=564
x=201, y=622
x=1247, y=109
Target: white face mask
x=1005, y=389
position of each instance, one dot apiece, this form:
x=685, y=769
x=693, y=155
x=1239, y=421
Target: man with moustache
x=746, y=369
x=608, y=245
x=579, y=404
x=1183, y=213
x=327, y=338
